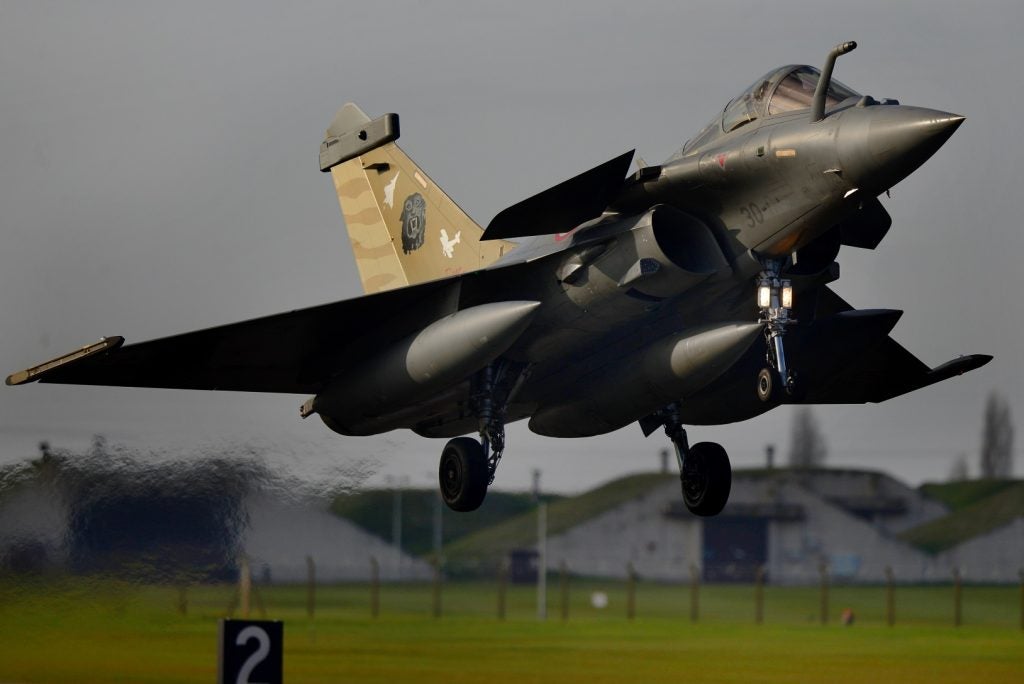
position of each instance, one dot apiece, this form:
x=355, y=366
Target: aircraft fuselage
x=779, y=188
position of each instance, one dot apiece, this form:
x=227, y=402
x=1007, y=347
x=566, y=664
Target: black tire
x=706, y=479
x=796, y=387
x=766, y=384
x=462, y=474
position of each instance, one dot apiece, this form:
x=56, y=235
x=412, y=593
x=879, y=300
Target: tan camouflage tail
x=404, y=229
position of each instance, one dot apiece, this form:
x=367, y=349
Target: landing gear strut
x=774, y=300
x=468, y=466
x=704, y=471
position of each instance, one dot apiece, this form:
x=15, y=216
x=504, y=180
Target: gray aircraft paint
x=604, y=350
x=970, y=228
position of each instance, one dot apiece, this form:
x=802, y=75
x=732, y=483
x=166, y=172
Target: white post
x=542, y=561
x=396, y=525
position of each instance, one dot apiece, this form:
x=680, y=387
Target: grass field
x=72, y=631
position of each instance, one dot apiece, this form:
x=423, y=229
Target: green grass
x=976, y=513
x=74, y=631
x=959, y=495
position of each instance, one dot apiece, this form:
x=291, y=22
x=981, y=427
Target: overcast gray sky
x=158, y=174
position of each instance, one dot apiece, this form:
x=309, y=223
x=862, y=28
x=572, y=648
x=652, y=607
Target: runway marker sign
x=250, y=652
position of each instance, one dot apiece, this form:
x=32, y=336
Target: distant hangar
x=857, y=523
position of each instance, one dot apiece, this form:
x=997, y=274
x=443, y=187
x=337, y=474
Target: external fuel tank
x=442, y=354
x=667, y=371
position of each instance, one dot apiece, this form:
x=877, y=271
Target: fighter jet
x=693, y=292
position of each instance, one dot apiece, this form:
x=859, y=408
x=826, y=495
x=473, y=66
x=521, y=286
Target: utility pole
x=396, y=522
x=542, y=550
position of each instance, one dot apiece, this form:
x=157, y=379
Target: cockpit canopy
x=785, y=89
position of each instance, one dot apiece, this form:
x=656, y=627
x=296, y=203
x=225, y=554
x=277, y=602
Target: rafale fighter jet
x=694, y=292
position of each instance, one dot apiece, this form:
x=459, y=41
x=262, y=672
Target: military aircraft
x=693, y=292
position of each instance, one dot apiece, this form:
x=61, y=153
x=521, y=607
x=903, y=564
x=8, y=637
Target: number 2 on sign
x=257, y=657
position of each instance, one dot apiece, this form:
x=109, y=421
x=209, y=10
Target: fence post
x=759, y=596
x=957, y=598
x=890, y=597
x=1021, y=573
x=630, y=591
x=694, y=593
x=563, y=585
x=823, y=571
x=182, y=599
x=374, y=587
x=437, y=587
x=502, y=588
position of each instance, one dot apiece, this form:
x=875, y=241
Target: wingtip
x=37, y=372
x=972, y=361
x=958, y=366
x=979, y=360
x=18, y=378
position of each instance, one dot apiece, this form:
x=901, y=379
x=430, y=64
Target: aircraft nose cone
x=910, y=132
x=887, y=143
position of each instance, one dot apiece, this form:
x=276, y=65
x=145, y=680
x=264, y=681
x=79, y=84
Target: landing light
x=774, y=295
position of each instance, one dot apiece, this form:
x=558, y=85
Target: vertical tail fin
x=404, y=229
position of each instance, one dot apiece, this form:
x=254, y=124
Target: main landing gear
x=774, y=300
x=468, y=466
x=463, y=474
x=704, y=471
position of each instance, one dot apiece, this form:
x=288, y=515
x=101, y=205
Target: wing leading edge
x=293, y=352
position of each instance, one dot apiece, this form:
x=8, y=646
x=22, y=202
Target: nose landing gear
x=774, y=300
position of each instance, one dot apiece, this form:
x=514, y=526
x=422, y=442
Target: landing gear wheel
x=766, y=384
x=794, y=388
x=706, y=479
x=463, y=474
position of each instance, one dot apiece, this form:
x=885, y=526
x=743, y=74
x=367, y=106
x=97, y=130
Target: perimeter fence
x=570, y=597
